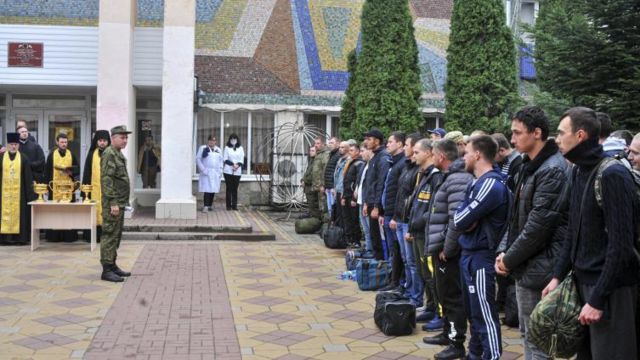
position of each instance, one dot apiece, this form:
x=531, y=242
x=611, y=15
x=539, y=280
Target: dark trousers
x=479, y=290
x=376, y=237
x=208, y=199
x=614, y=336
x=352, y=231
x=449, y=294
x=312, y=203
x=336, y=212
x=422, y=262
x=231, y=183
x=149, y=174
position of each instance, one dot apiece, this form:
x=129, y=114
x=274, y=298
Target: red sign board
x=25, y=54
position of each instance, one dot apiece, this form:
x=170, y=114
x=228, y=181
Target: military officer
x=115, y=197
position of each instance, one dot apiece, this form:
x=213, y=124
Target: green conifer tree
x=388, y=78
x=481, y=89
x=348, y=112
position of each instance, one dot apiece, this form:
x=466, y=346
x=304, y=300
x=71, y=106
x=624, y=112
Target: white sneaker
x=205, y=209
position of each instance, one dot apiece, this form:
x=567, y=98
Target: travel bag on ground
x=394, y=314
x=333, y=237
x=372, y=274
x=554, y=327
x=308, y=225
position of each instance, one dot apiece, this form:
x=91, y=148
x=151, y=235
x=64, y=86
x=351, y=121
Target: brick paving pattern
x=175, y=306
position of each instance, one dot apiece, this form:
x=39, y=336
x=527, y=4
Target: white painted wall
x=70, y=55
x=147, y=56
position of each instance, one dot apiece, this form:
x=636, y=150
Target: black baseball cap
x=375, y=133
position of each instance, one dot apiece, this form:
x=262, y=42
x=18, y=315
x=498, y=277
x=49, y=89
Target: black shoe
x=120, y=272
x=440, y=339
x=451, y=352
x=389, y=287
x=425, y=316
x=109, y=275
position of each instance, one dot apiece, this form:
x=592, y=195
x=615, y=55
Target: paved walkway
x=195, y=300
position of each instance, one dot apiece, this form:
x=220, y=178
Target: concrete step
x=244, y=229
x=197, y=236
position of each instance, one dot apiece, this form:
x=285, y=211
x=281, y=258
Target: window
x=149, y=140
x=254, y=129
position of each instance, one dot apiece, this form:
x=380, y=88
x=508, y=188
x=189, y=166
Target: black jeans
x=376, y=237
x=351, y=219
x=231, y=183
x=208, y=199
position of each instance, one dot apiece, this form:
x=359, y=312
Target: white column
x=176, y=198
x=116, y=101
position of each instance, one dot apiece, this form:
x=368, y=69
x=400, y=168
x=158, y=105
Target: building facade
x=76, y=66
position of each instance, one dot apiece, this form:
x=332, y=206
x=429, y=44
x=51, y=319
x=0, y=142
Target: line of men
x=105, y=170
x=454, y=214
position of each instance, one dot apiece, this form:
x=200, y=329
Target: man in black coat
x=538, y=218
x=329, y=171
x=16, y=191
x=374, y=182
x=33, y=151
x=600, y=245
x=348, y=202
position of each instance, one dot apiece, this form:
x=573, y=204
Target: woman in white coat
x=209, y=161
x=233, y=161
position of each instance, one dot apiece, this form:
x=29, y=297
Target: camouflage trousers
x=111, y=236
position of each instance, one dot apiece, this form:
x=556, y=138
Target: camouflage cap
x=120, y=129
x=455, y=136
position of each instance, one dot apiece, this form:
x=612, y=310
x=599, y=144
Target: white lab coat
x=210, y=169
x=235, y=156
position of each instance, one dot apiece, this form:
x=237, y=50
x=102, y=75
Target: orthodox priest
x=91, y=175
x=61, y=165
x=16, y=191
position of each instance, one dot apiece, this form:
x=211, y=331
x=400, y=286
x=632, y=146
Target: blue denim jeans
x=415, y=283
x=364, y=222
x=390, y=239
x=401, y=231
x=330, y=201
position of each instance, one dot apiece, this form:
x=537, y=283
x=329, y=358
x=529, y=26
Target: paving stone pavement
x=196, y=300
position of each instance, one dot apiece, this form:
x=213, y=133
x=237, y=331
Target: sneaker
x=451, y=352
x=205, y=209
x=440, y=339
x=425, y=316
x=436, y=324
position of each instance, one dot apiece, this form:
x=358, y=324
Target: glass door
x=34, y=120
x=71, y=123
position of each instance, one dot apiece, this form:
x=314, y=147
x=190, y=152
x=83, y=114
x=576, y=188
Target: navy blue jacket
x=391, y=184
x=483, y=214
x=376, y=176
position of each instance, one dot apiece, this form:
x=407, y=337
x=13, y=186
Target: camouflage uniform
x=115, y=191
x=317, y=173
x=309, y=193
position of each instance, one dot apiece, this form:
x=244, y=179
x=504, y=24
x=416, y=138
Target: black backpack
x=333, y=237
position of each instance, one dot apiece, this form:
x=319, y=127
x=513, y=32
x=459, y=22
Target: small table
x=62, y=216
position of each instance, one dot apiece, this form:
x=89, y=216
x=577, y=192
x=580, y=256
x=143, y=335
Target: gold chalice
x=87, y=189
x=65, y=188
x=40, y=189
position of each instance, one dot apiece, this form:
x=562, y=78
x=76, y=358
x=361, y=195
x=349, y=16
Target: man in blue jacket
x=482, y=218
x=376, y=175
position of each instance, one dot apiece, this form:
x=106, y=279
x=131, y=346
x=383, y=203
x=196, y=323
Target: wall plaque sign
x=22, y=54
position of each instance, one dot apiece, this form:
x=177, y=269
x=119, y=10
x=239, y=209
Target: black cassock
x=61, y=235
x=26, y=195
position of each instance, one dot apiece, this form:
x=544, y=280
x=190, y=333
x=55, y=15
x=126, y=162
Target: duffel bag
x=308, y=225
x=333, y=237
x=351, y=257
x=394, y=314
x=372, y=274
x=554, y=326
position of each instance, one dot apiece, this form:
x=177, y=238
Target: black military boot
x=108, y=274
x=120, y=272
x=451, y=352
x=440, y=339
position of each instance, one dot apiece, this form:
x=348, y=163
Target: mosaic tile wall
x=267, y=46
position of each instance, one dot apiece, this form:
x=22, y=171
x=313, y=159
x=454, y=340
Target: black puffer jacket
x=538, y=222
x=391, y=183
x=442, y=234
x=375, y=178
x=406, y=184
x=421, y=201
x=330, y=169
x=351, y=178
